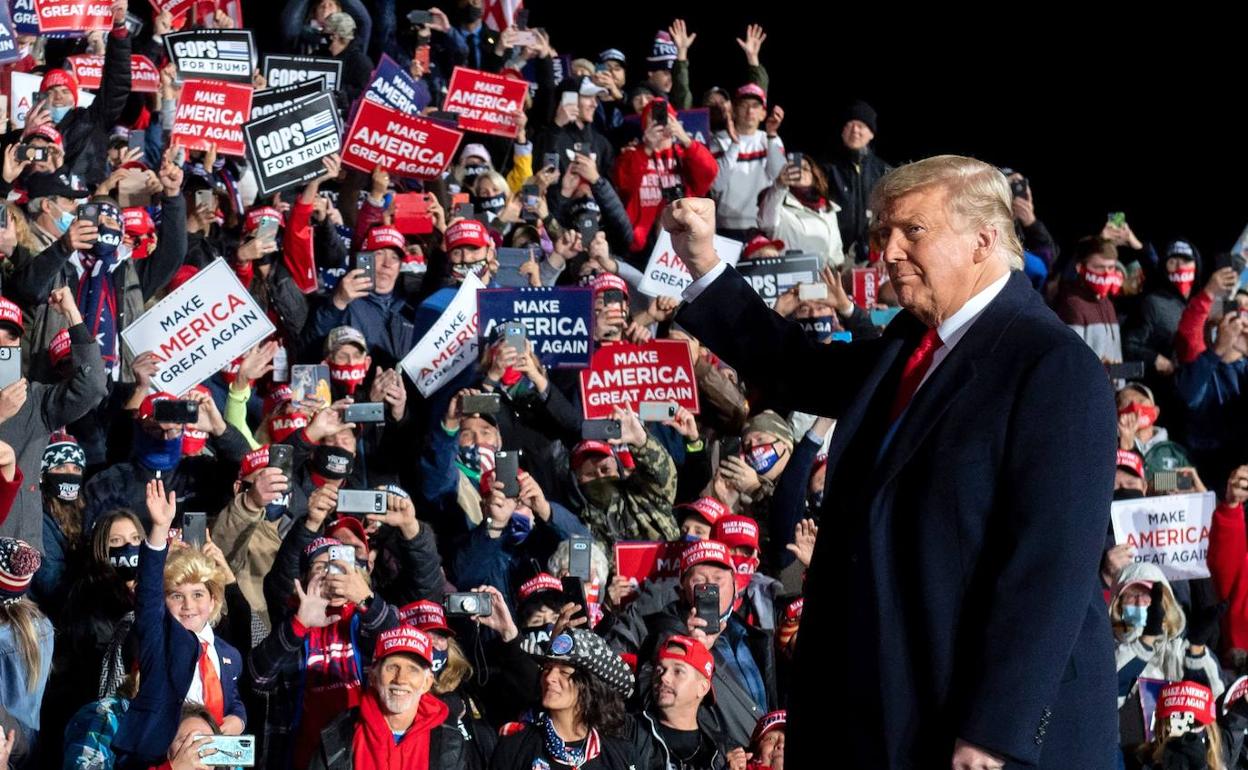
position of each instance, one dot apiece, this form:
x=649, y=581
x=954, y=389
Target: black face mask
x=1127, y=494
x=1187, y=752
x=62, y=486
x=492, y=204
x=332, y=463
x=125, y=560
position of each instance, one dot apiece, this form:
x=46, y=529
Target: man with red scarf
x=1085, y=306
x=398, y=723
x=668, y=164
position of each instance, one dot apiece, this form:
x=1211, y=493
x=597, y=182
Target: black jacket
x=647, y=740
x=914, y=606
x=519, y=751
x=850, y=181
x=357, y=70
x=446, y=746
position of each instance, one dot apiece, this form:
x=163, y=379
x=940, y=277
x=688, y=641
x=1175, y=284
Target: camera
x=468, y=604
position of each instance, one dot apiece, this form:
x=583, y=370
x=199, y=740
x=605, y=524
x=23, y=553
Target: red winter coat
x=1189, y=340
x=1228, y=566
x=641, y=176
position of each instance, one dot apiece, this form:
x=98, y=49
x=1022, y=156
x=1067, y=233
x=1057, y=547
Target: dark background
x=1103, y=111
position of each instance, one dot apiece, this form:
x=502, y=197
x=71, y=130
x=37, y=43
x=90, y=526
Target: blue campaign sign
x=394, y=87
x=8, y=41
x=697, y=123
x=25, y=20
x=558, y=321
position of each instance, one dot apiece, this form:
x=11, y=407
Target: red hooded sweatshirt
x=1228, y=566
x=374, y=747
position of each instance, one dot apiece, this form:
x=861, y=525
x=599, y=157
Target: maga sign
x=450, y=345
x=1171, y=531
x=485, y=102
x=89, y=69
x=211, y=112
x=558, y=321
x=625, y=375
x=73, y=15
x=402, y=144
x=200, y=327
x=644, y=560
x=393, y=87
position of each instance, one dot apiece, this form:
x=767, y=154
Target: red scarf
x=373, y=747
x=1183, y=278
x=810, y=198
x=331, y=681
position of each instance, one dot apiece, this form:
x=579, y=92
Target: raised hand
x=691, y=223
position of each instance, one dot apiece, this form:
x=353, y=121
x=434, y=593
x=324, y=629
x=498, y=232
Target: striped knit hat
x=19, y=562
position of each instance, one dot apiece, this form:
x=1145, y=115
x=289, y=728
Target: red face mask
x=230, y=372
x=192, y=441
x=745, y=567
x=1103, y=283
x=283, y=425
x=1147, y=415
x=1183, y=278
x=348, y=375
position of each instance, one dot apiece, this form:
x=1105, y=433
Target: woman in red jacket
x=668, y=164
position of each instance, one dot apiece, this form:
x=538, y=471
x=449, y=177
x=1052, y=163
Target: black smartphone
x=658, y=112
x=1229, y=306
x=368, y=411
x=195, y=528
x=281, y=456
x=587, y=226
x=550, y=160
x=600, y=430
x=464, y=210
x=529, y=193
x=520, y=19
x=179, y=411
x=706, y=606
x=795, y=160
x=364, y=261
x=1018, y=187
x=89, y=212
x=1184, y=481
x=580, y=552
x=729, y=446
x=507, y=472
x=613, y=297
x=31, y=152
x=574, y=591
x=1127, y=370
x=468, y=604
x=417, y=18
x=484, y=403
x=135, y=140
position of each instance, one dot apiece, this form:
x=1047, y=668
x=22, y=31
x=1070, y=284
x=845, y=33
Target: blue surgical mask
x=1134, y=615
x=64, y=220
x=763, y=457
x=157, y=454
x=59, y=113
x=689, y=537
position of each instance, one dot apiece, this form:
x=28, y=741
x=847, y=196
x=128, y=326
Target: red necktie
x=214, y=698
x=917, y=365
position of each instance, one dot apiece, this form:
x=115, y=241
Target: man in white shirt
x=749, y=160
x=967, y=493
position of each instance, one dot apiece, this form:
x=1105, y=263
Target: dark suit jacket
x=954, y=589
x=168, y=657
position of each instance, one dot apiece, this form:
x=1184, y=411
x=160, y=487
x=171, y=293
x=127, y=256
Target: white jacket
x=746, y=168
x=783, y=216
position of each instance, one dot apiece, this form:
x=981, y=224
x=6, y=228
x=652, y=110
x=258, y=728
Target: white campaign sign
x=198, y=329
x=667, y=276
x=1171, y=531
x=450, y=345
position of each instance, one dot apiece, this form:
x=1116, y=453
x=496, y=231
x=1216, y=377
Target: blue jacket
x=996, y=483
x=168, y=658
x=1208, y=387
x=20, y=704
x=50, y=585
x=484, y=560
x=386, y=322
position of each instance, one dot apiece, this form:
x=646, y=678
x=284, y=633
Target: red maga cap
x=467, y=232
x=705, y=552
x=404, y=639
x=688, y=650
x=253, y=461
x=543, y=581
x=385, y=237
x=1186, y=698
x=425, y=615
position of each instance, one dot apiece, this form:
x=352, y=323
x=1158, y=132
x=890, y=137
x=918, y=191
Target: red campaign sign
x=626, y=375
x=866, y=287
x=73, y=15
x=402, y=144
x=176, y=8
x=212, y=112
x=89, y=69
x=644, y=560
x=485, y=102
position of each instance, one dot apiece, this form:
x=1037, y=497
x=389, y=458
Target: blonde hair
x=977, y=192
x=24, y=616
x=456, y=670
x=191, y=565
x=1213, y=746
x=1173, y=621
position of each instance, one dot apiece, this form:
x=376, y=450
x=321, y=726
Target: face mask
x=330, y=462
x=157, y=454
x=471, y=173
x=470, y=13
x=1183, y=278
x=689, y=537
x=64, y=220
x=763, y=457
x=518, y=528
x=535, y=638
x=439, y=660
x=745, y=567
x=1103, y=283
x=1133, y=615
x=62, y=486
x=105, y=247
x=348, y=376
x=475, y=459
x=601, y=491
x=125, y=559
x=462, y=270
x=193, y=441
x=277, y=509
x=818, y=329
x=59, y=113
x=1147, y=415
x=492, y=204
x=1127, y=494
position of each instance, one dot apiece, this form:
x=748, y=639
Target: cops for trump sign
x=202, y=326
x=286, y=147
